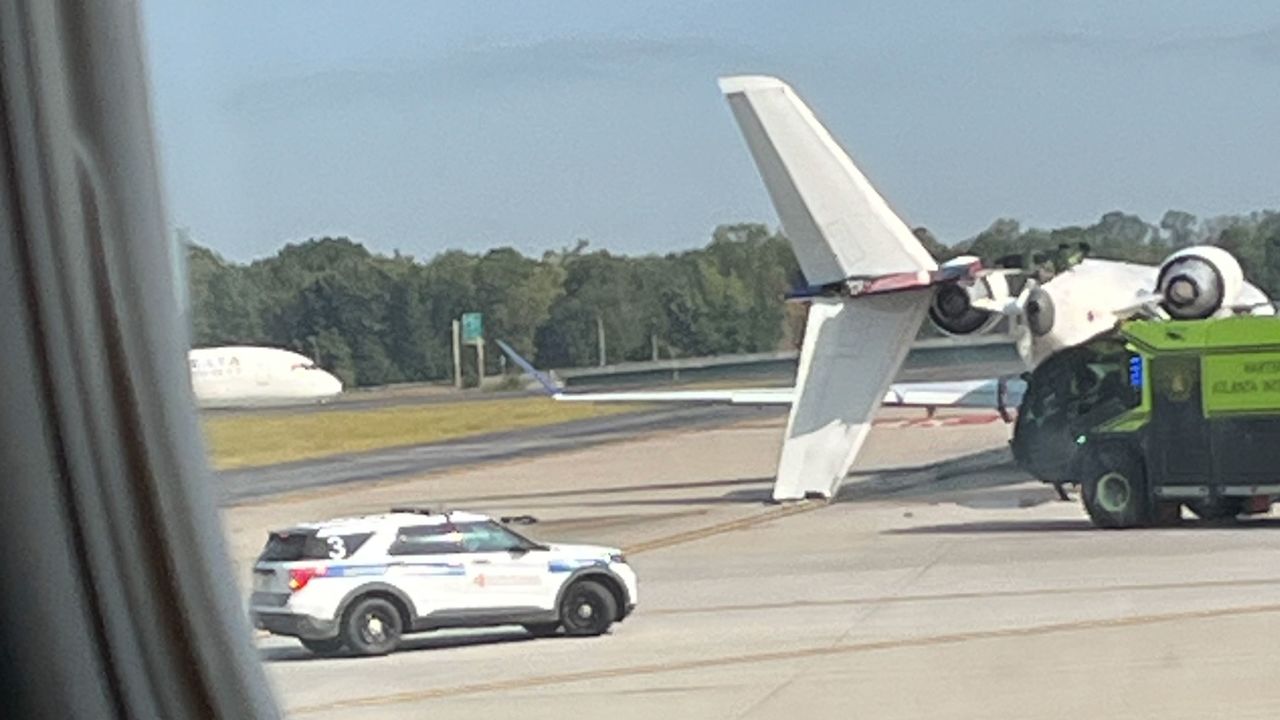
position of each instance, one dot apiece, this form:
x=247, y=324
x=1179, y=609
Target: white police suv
x=361, y=583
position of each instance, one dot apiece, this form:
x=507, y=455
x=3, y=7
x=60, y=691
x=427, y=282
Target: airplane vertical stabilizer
x=838, y=225
x=852, y=351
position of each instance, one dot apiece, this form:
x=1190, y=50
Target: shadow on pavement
x=759, y=496
x=1021, y=526
x=412, y=643
x=995, y=527
x=608, y=490
x=983, y=469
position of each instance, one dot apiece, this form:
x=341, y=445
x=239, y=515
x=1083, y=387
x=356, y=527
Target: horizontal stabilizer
x=951, y=393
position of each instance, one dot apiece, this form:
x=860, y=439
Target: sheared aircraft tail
x=875, y=280
x=870, y=280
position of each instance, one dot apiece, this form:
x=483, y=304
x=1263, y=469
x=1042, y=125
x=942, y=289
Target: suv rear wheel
x=587, y=608
x=372, y=627
x=1113, y=486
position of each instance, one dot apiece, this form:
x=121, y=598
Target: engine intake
x=1040, y=312
x=953, y=311
x=953, y=308
x=1197, y=282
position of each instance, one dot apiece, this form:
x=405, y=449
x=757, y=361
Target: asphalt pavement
x=943, y=583
x=255, y=483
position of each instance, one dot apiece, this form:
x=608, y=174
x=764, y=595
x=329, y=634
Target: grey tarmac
x=942, y=584
x=246, y=484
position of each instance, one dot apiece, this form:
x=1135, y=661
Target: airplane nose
x=330, y=385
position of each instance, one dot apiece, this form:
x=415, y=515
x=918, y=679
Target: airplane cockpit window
x=1091, y=380
x=1104, y=385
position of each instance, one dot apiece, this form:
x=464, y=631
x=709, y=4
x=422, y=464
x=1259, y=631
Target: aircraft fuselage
x=243, y=376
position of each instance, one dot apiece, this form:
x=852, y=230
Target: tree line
x=375, y=319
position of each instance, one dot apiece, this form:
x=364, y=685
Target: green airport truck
x=1161, y=414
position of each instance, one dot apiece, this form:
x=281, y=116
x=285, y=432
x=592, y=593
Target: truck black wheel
x=587, y=608
x=372, y=627
x=1113, y=486
x=326, y=646
x=1218, y=509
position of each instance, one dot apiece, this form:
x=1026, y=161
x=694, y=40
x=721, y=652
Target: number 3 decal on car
x=337, y=548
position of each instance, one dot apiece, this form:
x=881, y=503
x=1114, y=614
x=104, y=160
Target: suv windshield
x=489, y=536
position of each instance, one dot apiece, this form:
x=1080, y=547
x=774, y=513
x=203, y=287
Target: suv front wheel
x=587, y=608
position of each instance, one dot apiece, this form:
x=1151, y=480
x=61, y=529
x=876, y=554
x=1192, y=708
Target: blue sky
x=422, y=126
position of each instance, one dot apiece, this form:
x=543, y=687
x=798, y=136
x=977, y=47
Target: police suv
x=361, y=583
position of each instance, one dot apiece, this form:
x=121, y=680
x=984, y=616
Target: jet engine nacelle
x=969, y=307
x=1197, y=282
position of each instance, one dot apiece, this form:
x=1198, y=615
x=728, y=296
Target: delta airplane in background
x=244, y=376
x=871, y=285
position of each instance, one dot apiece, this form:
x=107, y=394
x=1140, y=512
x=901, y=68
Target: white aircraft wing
x=998, y=393
x=958, y=394
x=838, y=225
x=742, y=396
x=951, y=393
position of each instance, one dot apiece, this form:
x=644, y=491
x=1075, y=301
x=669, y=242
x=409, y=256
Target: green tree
x=1180, y=228
x=375, y=319
x=1002, y=238
x=1269, y=236
x=515, y=293
x=225, y=305
x=931, y=243
x=449, y=287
